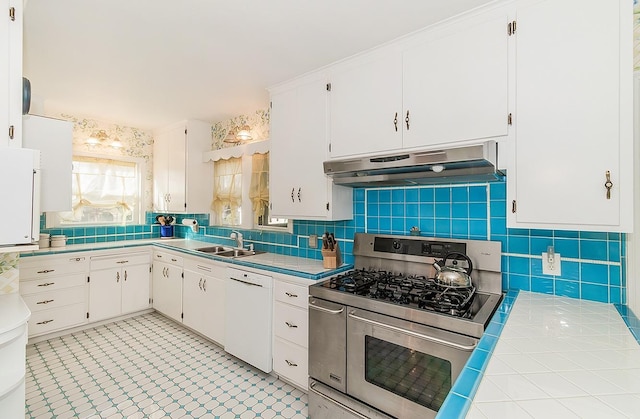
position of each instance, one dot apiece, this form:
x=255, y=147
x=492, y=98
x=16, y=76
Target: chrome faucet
x=237, y=236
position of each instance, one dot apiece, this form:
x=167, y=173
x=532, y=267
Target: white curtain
x=259, y=191
x=227, y=193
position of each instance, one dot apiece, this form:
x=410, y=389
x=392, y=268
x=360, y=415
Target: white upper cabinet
x=298, y=187
x=366, y=105
x=11, y=74
x=455, y=86
x=443, y=86
x=182, y=182
x=573, y=116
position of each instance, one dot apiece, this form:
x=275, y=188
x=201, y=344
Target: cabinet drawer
x=291, y=323
x=47, y=321
x=168, y=258
x=206, y=267
x=119, y=261
x=290, y=361
x=54, y=299
x=36, y=269
x=291, y=293
x=52, y=283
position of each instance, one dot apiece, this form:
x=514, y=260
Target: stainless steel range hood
x=475, y=163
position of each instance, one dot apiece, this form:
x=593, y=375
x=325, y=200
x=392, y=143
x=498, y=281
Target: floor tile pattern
x=561, y=357
x=149, y=367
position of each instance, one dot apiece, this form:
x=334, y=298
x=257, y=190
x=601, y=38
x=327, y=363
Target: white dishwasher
x=248, y=317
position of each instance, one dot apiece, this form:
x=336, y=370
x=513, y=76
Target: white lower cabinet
x=291, y=331
x=54, y=287
x=204, y=298
x=119, y=284
x=167, y=284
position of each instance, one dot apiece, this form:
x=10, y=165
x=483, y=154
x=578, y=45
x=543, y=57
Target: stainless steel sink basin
x=212, y=249
x=236, y=253
x=228, y=252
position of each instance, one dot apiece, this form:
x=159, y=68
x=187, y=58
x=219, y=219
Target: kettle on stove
x=453, y=276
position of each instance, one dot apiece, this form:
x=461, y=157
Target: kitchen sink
x=236, y=253
x=228, y=252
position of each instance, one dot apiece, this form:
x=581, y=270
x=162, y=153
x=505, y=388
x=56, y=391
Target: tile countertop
x=289, y=265
x=545, y=356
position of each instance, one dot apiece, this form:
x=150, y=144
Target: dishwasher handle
x=245, y=282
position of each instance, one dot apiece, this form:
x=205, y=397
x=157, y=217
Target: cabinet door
x=105, y=299
x=167, y=289
x=455, y=87
x=135, y=288
x=176, y=169
x=204, y=304
x=4, y=80
x=160, y=171
x=570, y=113
x=299, y=146
x=11, y=75
x=365, y=99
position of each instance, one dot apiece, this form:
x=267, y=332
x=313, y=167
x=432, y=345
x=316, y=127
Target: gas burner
x=453, y=301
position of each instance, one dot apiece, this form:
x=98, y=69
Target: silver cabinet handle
x=299, y=191
x=46, y=284
x=45, y=302
x=122, y=261
x=204, y=285
x=45, y=321
x=76, y=259
x=291, y=325
x=407, y=120
x=288, y=294
x=125, y=275
x=46, y=271
x=608, y=184
x=174, y=260
x=326, y=310
x=291, y=364
x=293, y=190
x=415, y=334
x=200, y=284
x=395, y=122
x=117, y=276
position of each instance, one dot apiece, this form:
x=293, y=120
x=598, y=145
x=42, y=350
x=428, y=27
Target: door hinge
x=88, y=279
x=509, y=119
x=185, y=205
x=149, y=268
x=87, y=314
x=514, y=206
x=182, y=315
x=327, y=206
x=185, y=131
x=511, y=28
x=149, y=300
x=270, y=105
x=12, y=13
x=329, y=147
x=11, y=131
x=328, y=87
x=182, y=274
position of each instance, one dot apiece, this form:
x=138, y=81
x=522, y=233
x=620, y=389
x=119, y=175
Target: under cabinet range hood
x=474, y=163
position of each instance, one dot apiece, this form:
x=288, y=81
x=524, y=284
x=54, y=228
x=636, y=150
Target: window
x=104, y=191
x=259, y=193
x=227, y=199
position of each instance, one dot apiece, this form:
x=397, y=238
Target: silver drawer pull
x=290, y=324
x=289, y=363
x=46, y=284
x=45, y=302
x=122, y=261
x=46, y=271
x=174, y=260
x=76, y=259
x=45, y=321
x=288, y=294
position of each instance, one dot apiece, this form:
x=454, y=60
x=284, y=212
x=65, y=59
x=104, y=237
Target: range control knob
x=396, y=245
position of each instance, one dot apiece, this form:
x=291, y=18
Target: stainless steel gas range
x=388, y=340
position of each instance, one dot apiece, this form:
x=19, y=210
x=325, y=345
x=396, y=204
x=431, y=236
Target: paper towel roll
x=192, y=223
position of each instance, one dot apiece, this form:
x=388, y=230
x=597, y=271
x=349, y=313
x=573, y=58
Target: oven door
x=402, y=368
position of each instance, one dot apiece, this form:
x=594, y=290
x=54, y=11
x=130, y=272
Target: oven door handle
x=342, y=405
x=326, y=310
x=415, y=334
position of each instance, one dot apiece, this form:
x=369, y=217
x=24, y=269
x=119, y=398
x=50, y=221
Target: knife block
x=331, y=259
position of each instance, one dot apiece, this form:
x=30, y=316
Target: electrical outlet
x=551, y=263
x=313, y=241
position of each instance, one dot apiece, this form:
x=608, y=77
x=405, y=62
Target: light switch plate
x=551, y=267
x=313, y=241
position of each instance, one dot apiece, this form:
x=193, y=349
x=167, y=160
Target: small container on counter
x=58, y=241
x=43, y=243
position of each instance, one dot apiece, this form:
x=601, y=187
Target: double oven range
x=386, y=339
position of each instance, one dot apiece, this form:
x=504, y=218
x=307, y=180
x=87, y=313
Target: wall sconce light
x=244, y=134
x=116, y=143
x=231, y=137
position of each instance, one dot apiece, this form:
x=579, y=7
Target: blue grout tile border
x=459, y=399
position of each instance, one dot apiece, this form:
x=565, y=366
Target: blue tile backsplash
x=592, y=262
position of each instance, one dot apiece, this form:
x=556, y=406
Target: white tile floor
x=149, y=367
x=561, y=357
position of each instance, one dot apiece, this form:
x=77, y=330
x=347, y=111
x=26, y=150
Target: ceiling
x=149, y=63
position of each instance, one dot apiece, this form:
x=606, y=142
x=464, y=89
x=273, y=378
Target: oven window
x=413, y=375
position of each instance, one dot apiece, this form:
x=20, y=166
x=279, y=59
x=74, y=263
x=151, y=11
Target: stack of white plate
x=58, y=241
x=44, y=240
